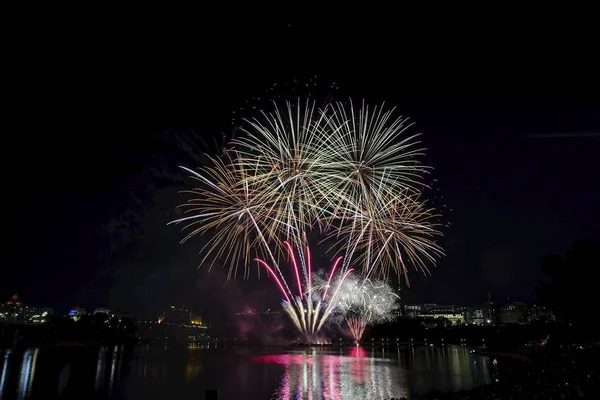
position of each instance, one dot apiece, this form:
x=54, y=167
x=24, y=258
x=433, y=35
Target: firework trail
x=363, y=302
x=314, y=303
x=350, y=172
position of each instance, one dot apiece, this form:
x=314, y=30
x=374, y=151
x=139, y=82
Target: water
x=239, y=373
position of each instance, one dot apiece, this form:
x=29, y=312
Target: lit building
x=435, y=311
x=41, y=317
x=176, y=324
x=537, y=312
x=474, y=315
x=454, y=318
x=102, y=310
x=196, y=320
x=489, y=314
x=76, y=313
x=13, y=310
x=14, y=302
x=512, y=313
x=412, y=310
x=438, y=309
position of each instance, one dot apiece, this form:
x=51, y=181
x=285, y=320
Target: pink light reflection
x=359, y=369
x=358, y=351
x=283, y=359
x=323, y=374
x=307, y=377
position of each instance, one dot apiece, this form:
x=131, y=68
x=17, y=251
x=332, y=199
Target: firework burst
x=363, y=302
x=370, y=150
x=225, y=204
x=351, y=172
x=285, y=150
x=314, y=303
x=399, y=229
x=375, y=178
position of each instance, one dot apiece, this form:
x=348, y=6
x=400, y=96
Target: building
x=454, y=318
x=176, y=324
x=41, y=315
x=102, y=310
x=196, y=320
x=448, y=312
x=76, y=313
x=539, y=313
x=474, y=315
x=412, y=310
x=438, y=309
x=13, y=310
x=512, y=313
x=14, y=302
x=489, y=314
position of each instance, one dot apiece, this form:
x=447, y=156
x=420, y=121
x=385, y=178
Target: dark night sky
x=97, y=112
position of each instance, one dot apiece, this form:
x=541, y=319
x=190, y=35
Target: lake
x=158, y=372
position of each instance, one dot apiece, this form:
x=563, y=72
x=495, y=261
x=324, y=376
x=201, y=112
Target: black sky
x=96, y=110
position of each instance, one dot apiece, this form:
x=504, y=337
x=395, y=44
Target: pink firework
x=313, y=304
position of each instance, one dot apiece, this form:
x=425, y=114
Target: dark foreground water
x=151, y=373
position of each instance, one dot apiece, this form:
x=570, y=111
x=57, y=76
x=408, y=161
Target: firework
x=284, y=148
x=351, y=172
x=375, y=180
x=352, y=169
x=314, y=303
x=370, y=148
x=363, y=302
x=226, y=205
x=399, y=230
x=357, y=327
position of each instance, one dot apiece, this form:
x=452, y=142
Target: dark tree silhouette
x=571, y=290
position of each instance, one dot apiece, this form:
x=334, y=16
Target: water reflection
x=4, y=372
x=312, y=374
x=458, y=368
x=64, y=371
x=100, y=368
x=277, y=373
x=27, y=373
x=364, y=373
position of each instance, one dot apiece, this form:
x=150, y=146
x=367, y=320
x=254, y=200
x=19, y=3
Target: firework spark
x=363, y=302
x=225, y=204
x=400, y=230
x=357, y=327
x=352, y=172
x=375, y=180
x=284, y=148
x=370, y=148
x=311, y=307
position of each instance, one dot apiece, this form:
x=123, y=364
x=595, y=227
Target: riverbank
x=550, y=376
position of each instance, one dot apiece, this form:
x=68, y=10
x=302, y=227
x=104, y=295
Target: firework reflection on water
x=353, y=374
